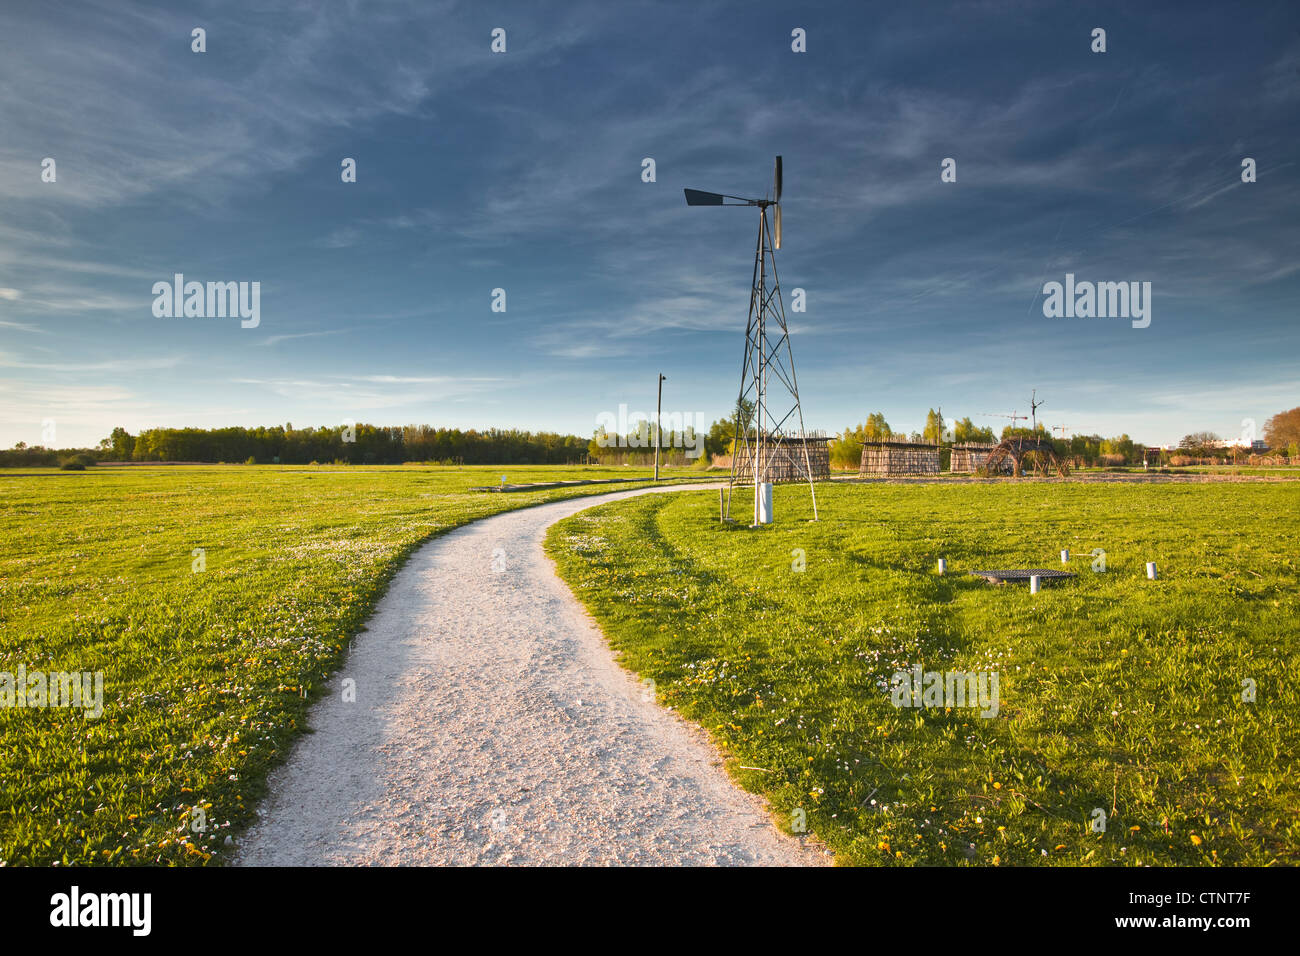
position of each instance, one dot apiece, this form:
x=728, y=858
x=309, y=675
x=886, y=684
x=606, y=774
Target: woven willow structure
x=1020, y=451
x=899, y=458
x=969, y=457
x=783, y=459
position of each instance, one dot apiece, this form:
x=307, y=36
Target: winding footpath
x=491, y=725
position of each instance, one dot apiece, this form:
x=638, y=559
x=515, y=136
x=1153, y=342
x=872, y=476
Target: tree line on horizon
x=375, y=444
x=360, y=444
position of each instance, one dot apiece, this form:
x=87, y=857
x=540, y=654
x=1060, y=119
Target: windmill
x=776, y=410
x=1033, y=410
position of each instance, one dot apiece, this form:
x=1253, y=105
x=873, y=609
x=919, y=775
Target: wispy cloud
x=22, y=327
x=277, y=339
x=110, y=366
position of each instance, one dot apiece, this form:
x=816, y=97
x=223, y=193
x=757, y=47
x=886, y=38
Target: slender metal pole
x=740, y=435
x=659, y=407
x=761, y=398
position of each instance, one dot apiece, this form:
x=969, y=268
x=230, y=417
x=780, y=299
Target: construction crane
x=1013, y=416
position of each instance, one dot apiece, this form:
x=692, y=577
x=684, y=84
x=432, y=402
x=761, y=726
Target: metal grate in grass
x=1021, y=574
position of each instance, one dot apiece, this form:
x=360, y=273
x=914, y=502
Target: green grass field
x=207, y=675
x=1116, y=692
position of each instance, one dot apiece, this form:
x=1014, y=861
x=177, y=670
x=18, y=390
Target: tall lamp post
x=659, y=407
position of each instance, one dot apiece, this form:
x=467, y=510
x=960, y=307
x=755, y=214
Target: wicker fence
x=968, y=456
x=784, y=461
x=899, y=458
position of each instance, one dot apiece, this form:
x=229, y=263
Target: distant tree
x=1123, y=446
x=846, y=451
x=1084, y=448
x=964, y=430
x=1201, y=444
x=121, y=443
x=744, y=410
x=718, y=440
x=1283, y=429
x=876, y=428
x=933, y=427
x=1012, y=431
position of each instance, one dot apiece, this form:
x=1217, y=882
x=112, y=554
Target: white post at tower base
x=764, y=515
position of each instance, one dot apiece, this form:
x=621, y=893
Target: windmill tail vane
x=771, y=442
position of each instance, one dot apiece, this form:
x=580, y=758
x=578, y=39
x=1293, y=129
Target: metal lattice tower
x=767, y=376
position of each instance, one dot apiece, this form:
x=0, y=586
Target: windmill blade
x=776, y=182
x=777, y=237
x=695, y=197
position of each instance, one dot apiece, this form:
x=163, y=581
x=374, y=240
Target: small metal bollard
x=1033, y=584
x=943, y=565
x=1065, y=556
x=1151, y=570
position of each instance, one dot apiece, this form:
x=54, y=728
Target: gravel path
x=492, y=726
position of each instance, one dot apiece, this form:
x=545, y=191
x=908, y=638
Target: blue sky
x=522, y=171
